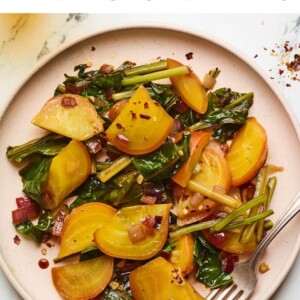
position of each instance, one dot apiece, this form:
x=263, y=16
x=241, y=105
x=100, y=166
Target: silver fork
x=245, y=273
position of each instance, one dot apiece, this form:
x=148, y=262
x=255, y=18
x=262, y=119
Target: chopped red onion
x=23, y=201
x=228, y=263
x=25, y=213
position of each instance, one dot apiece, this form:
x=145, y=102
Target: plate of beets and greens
x=124, y=159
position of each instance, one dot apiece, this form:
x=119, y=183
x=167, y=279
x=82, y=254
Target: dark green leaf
x=89, y=253
x=48, y=145
x=33, y=175
x=92, y=190
x=165, y=161
x=29, y=230
x=164, y=94
x=210, y=270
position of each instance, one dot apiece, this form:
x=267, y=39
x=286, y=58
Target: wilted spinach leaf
x=33, y=175
x=165, y=161
x=29, y=230
x=210, y=269
x=227, y=112
x=48, y=145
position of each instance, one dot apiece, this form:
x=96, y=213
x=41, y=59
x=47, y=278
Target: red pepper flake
x=144, y=116
x=122, y=139
x=93, y=48
x=256, y=55
x=189, y=55
x=281, y=71
x=119, y=126
x=146, y=105
x=288, y=85
x=17, y=240
x=133, y=115
x=68, y=101
x=265, y=48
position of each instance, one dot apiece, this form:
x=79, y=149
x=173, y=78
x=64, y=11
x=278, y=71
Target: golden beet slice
x=69, y=115
x=80, y=226
x=83, y=280
x=247, y=152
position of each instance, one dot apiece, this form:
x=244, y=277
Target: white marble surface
x=27, y=39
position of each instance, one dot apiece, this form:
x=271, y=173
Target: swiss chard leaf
x=116, y=191
x=210, y=269
x=30, y=231
x=48, y=145
x=164, y=94
x=227, y=112
x=33, y=175
x=92, y=190
x=165, y=161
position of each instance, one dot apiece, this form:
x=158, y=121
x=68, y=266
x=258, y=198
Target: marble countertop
x=27, y=39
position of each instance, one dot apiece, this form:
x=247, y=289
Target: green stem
x=270, y=190
x=194, y=186
x=212, y=223
x=145, y=69
x=250, y=220
x=194, y=227
x=118, y=165
x=261, y=183
x=122, y=95
x=239, y=212
x=200, y=125
x=239, y=100
x=183, y=70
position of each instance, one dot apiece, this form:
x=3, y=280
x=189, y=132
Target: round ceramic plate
x=143, y=45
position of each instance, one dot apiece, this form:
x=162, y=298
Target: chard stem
x=270, y=187
x=239, y=100
x=239, y=212
x=122, y=95
x=221, y=198
x=145, y=69
x=155, y=76
x=261, y=183
x=212, y=223
x=193, y=228
x=118, y=165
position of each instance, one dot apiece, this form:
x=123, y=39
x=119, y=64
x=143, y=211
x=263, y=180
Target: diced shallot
x=136, y=233
x=25, y=213
x=23, y=201
x=228, y=263
x=148, y=199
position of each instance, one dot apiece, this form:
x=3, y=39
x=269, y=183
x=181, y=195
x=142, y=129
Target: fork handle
x=288, y=215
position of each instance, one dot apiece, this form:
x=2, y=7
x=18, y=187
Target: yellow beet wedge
x=141, y=126
x=83, y=280
x=80, y=226
x=247, y=152
x=114, y=238
x=69, y=115
x=159, y=280
x=68, y=170
x=214, y=171
x=190, y=88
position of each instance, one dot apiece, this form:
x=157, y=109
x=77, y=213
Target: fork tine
x=215, y=292
x=221, y=293
x=235, y=295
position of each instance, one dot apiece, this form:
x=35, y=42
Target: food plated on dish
x=130, y=175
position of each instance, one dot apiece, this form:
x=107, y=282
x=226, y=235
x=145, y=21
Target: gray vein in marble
x=15, y=30
x=45, y=50
x=76, y=17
